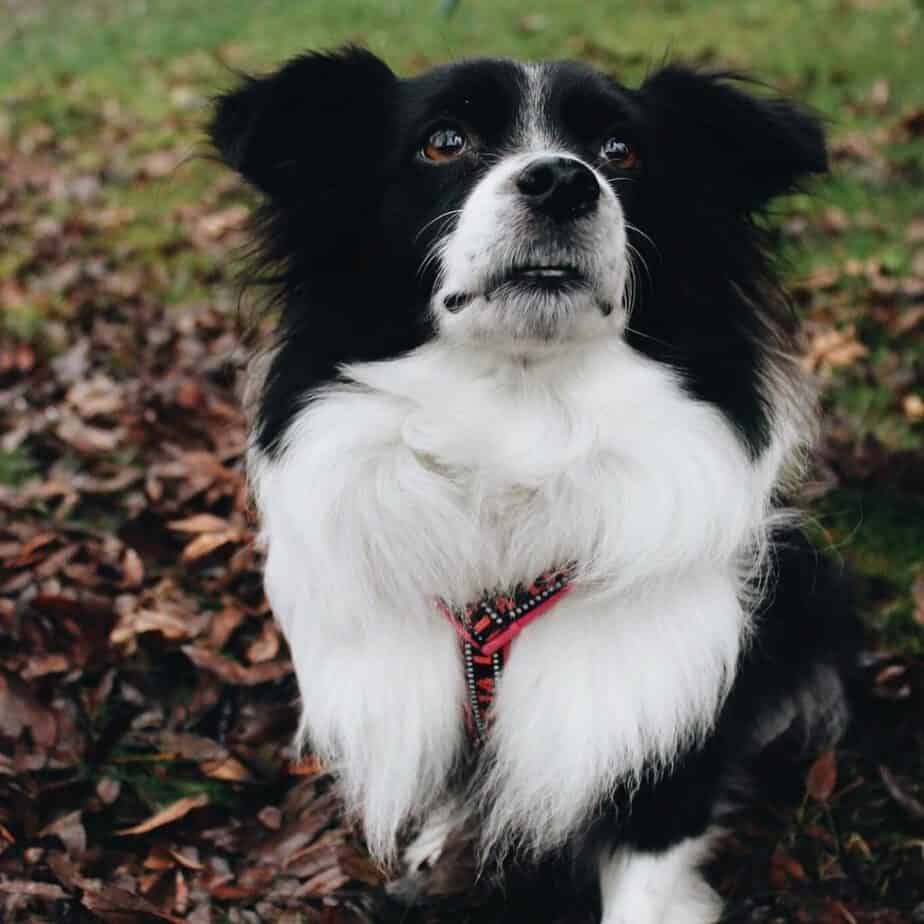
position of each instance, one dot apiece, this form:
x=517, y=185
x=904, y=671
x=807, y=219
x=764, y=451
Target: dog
x=522, y=452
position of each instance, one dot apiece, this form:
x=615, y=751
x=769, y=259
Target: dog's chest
x=517, y=475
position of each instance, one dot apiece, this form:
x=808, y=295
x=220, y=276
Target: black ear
x=744, y=148
x=285, y=131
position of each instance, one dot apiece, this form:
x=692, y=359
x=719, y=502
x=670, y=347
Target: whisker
x=638, y=333
x=641, y=233
x=433, y=221
x=637, y=254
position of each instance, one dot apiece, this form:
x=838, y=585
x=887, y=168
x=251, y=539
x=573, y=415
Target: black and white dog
x=534, y=375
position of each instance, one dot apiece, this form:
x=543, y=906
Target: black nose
x=559, y=187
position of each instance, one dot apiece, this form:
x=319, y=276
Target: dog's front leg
x=658, y=887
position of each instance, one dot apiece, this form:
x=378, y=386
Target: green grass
x=832, y=48
x=77, y=66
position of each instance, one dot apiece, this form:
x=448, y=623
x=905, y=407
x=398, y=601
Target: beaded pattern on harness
x=486, y=629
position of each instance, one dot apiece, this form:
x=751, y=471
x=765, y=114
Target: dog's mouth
x=546, y=276
x=541, y=279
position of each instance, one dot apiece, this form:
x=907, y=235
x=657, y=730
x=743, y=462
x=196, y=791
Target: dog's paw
x=659, y=887
x=693, y=902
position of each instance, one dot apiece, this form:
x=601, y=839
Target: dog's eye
x=444, y=144
x=619, y=154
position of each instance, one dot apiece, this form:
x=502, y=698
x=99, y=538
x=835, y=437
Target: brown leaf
x=227, y=768
x=187, y=857
x=784, y=868
x=323, y=883
x=43, y=665
x=234, y=673
x=96, y=397
x=168, y=815
x=266, y=647
x=87, y=439
x=834, y=349
x=223, y=625
x=191, y=747
x=181, y=892
x=270, y=817
x=206, y=543
x=20, y=709
x=70, y=830
x=120, y=907
x=913, y=406
x=46, y=890
x=822, y=777
x=132, y=569
x=218, y=224
x=200, y=523
x=160, y=163
x=171, y=624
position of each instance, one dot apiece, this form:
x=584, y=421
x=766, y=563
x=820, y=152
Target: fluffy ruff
x=528, y=319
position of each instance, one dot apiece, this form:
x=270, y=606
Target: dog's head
x=516, y=207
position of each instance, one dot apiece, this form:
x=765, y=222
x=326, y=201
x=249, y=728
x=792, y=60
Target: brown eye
x=444, y=144
x=619, y=154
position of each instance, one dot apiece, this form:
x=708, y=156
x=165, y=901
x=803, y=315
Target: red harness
x=486, y=630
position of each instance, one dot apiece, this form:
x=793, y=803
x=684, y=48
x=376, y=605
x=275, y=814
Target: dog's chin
x=529, y=312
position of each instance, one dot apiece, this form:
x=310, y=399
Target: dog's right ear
x=318, y=114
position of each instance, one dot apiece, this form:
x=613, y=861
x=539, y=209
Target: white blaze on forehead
x=535, y=131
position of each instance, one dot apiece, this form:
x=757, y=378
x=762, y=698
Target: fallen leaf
x=117, y=906
x=234, y=673
x=834, y=349
x=70, y=830
x=822, y=777
x=226, y=768
x=270, y=817
x=266, y=647
x=168, y=815
x=200, y=523
x=913, y=407
x=218, y=224
x=206, y=543
x=36, y=889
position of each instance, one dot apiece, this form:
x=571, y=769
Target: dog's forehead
x=530, y=99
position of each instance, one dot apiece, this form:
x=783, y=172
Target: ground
x=145, y=695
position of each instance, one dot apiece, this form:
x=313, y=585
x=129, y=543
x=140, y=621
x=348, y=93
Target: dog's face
x=521, y=207
x=521, y=221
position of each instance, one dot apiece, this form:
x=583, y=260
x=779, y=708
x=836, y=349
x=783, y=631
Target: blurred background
x=145, y=696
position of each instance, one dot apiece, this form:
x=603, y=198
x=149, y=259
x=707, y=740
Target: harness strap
x=486, y=630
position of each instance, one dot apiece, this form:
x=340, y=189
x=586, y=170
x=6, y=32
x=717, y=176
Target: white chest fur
x=450, y=472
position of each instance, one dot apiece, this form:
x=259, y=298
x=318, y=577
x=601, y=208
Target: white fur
x=455, y=469
x=427, y=846
x=496, y=232
x=658, y=888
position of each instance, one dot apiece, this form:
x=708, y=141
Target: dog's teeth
x=551, y=272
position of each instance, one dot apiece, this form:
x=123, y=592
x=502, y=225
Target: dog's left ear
x=741, y=148
x=319, y=117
